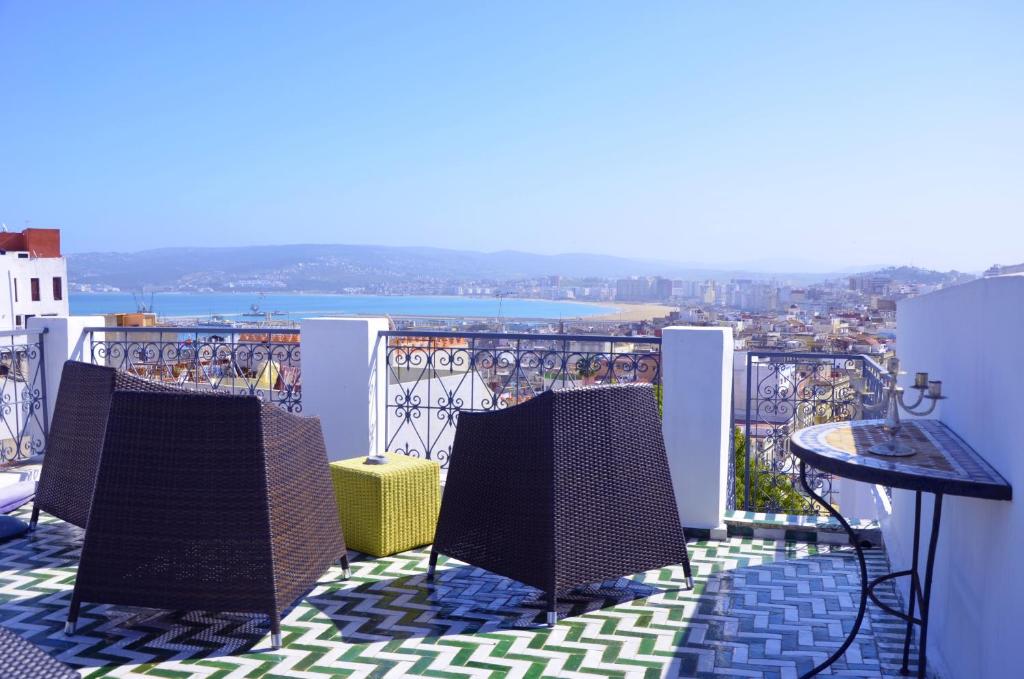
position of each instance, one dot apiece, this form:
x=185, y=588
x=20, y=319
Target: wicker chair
x=20, y=659
x=569, y=488
x=75, y=440
x=207, y=502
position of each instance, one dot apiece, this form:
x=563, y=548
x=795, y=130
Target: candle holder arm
x=910, y=407
x=926, y=411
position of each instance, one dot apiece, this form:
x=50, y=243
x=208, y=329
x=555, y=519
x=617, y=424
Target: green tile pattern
x=761, y=608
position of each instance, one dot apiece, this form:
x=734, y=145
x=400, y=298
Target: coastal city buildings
x=998, y=270
x=34, y=276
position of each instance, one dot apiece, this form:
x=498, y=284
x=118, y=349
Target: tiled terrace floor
x=761, y=608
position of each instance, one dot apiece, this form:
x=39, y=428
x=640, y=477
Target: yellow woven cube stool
x=387, y=508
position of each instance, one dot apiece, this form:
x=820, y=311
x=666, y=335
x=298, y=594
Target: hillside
x=330, y=268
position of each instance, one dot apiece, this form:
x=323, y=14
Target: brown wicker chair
x=75, y=440
x=207, y=502
x=569, y=488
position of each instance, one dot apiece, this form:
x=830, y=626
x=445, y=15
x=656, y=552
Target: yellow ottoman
x=387, y=508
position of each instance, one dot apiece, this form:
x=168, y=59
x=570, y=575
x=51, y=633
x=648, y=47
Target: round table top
x=942, y=462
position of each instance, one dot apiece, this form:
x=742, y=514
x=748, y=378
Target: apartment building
x=33, y=277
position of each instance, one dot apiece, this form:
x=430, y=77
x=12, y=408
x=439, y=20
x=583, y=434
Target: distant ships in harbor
x=275, y=318
x=265, y=319
x=255, y=311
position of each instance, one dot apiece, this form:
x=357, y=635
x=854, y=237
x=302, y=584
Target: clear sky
x=714, y=133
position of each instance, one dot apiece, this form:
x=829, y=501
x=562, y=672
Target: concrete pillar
x=696, y=364
x=64, y=340
x=344, y=382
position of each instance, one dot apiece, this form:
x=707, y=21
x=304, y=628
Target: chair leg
x=71, y=626
x=346, y=572
x=35, y=517
x=432, y=566
x=552, y=617
x=687, y=568
x=275, y=630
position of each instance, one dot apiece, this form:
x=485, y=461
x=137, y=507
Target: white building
x=33, y=277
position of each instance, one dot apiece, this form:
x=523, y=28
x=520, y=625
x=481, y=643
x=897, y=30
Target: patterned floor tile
x=761, y=608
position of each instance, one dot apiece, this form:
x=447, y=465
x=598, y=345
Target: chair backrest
x=616, y=509
x=208, y=501
x=570, y=487
x=75, y=440
x=181, y=507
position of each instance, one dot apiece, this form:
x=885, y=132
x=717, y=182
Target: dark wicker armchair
x=75, y=440
x=569, y=488
x=20, y=659
x=208, y=502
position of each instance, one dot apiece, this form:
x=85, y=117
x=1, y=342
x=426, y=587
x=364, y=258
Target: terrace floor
x=760, y=608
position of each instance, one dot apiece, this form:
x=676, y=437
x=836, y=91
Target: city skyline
x=854, y=135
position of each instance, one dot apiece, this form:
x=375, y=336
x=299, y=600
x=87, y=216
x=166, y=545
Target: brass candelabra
x=893, y=401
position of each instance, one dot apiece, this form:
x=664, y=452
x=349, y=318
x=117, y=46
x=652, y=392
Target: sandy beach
x=640, y=311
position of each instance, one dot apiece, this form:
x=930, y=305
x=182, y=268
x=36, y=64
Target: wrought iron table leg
x=863, y=574
x=922, y=651
x=914, y=586
x=919, y=597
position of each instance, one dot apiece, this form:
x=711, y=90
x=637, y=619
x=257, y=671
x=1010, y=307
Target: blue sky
x=825, y=133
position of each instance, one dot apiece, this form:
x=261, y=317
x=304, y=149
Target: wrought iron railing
x=786, y=392
x=23, y=406
x=264, y=362
x=433, y=376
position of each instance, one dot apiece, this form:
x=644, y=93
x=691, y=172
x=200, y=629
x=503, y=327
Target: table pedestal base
x=919, y=598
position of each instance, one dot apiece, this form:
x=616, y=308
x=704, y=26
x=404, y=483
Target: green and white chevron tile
x=760, y=608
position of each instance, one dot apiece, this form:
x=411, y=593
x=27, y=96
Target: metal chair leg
x=432, y=566
x=71, y=626
x=346, y=572
x=275, y=630
x=687, y=568
x=35, y=518
x=552, y=617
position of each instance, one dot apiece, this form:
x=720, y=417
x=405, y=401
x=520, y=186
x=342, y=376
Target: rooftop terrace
x=760, y=608
x=775, y=594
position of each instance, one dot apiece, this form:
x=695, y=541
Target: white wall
x=970, y=337
x=63, y=340
x=13, y=268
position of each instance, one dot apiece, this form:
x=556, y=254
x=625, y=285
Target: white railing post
x=696, y=364
x=64, y=340
x=344, y=382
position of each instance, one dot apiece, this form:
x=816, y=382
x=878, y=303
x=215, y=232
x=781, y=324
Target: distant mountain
x=328, y=268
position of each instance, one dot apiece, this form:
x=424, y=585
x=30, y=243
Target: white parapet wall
x=969, y=336
x=64, y=339
x=341, y=382
x=697, y=367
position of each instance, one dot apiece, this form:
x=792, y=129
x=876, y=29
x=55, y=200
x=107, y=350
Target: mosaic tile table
x=942, y=464
x=761, y=609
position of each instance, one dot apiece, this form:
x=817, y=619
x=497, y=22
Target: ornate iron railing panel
x=433, y=376
x=22, y=395
x=263, y=362
x=786, y=392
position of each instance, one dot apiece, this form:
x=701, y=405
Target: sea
x=284, y=307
